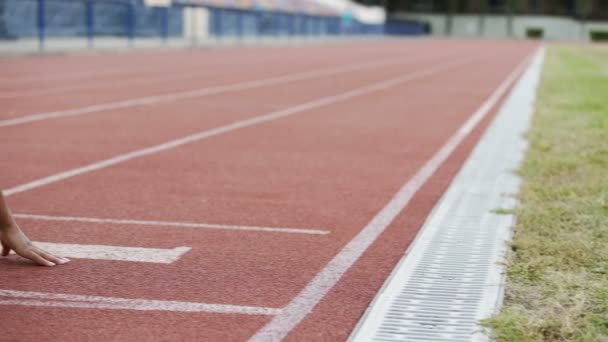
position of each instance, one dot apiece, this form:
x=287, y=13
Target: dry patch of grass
x=557, y=288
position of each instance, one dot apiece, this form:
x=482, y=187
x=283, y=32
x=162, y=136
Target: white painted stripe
x=12, y=297
x=190, y=75
x=116, y=253
x=324, y=101
x=62, y=76
x=234, y=87
x=328, y=277
x=475, y=246
x=172, y=224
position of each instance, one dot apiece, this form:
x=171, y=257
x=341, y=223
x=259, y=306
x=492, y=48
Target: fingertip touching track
x=289, y=181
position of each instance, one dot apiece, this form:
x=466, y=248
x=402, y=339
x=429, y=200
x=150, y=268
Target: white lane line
x=95, y=85
x=173, y=224
x=461, y=233
x=13, y=80
x=214, y=90
x=153, y=79
x=321, y=102
x=63, y=76
x=132, y=70
x=12, y=297
x=328, y=277
x=115, y=253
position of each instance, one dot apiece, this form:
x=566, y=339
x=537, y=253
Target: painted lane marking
x=306, y=106
x=129, y=71
x=179, y=77
x=173, y=224
x=12, y=80
x=459, y=250
x=12, y=297
x=115, y=253
x=201, y=92
x=133, y=70
x=304, y=303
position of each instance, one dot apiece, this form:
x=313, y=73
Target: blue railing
x=130, y=19
x=229, y=22
x=86, y=18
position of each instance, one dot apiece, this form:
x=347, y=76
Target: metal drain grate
x=450, y=278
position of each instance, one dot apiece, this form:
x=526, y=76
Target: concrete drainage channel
x=451, y=277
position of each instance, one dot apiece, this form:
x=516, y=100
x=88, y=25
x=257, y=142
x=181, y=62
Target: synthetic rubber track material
x=331, y=167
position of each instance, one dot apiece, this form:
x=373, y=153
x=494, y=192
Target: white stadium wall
x=496, y=26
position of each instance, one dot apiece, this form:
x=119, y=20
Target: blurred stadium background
x=200, y=20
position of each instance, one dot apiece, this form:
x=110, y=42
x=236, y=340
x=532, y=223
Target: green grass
x=557, y=287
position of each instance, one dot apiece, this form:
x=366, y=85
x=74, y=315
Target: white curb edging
x=451, y=276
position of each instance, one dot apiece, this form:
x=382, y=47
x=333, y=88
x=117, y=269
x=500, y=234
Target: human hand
x=13, y=238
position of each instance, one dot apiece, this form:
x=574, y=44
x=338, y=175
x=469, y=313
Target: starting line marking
x=12, y=297
x=116, y=253
x=173, y=224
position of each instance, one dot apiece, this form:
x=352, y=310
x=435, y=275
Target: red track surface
x=330, y=168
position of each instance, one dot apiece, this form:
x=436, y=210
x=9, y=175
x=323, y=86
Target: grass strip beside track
x=557, y=287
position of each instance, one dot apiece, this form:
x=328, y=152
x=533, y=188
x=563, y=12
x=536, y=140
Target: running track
x=270, y=164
